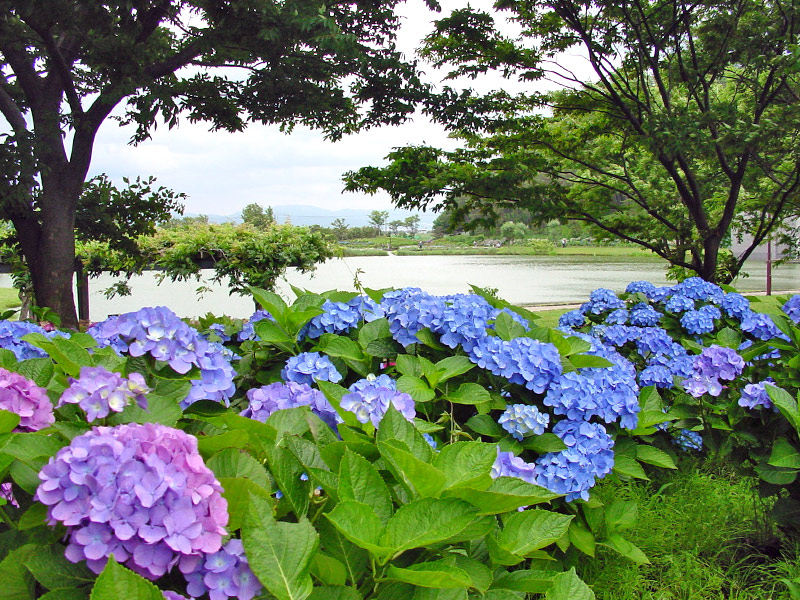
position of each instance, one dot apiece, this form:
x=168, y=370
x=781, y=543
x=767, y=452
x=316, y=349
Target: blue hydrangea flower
x=523, y=419
x=522, y=361
x=369, y=402
x=264, y=401
x=573, y=318
x=618, y=317
x=761, y=326
x=688, y=440
x=248, y=332
x=792, y=308
x=735, y=305
x=309, y=366
x=600, y=301
x=11, y=333
x=223, y=574
x=644, y=315
x=340, y=317
x=700, y=321
x=508, y=465
x=697, y=288
x=643, y=287
x=755, y=394
x=678, y=304
x=657, y=375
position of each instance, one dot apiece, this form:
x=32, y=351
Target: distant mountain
x=314, y=215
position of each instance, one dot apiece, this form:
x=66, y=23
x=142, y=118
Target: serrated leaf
x=626, y=548
x=531, y=581
x=337, y=345
x=360, y=481
x=485, y=425
x=406, y=364
x=117, y=582
x=328, y=570
x=466, y=463
x=582, y=538
x=621, y=515
x=589, y=361
x=784, y=455
x=531, y=530
x=52, y=570
x=238, y=491
x=470, y=393
x=627, y=466
x=568, y=586
x=427, y=521
x=415, y=387
x=653, y=456
x=503, y=495
x=38, y=370
x=452, y=366
x=432, y=574
x=420, y=477
x=358, y=523
x=280, y=552
x=542, y=444
x=8, y=421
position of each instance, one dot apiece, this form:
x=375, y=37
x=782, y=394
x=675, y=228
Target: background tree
x=339, y=227
x=412, y=224
x=255, y=215
x=512, y=231
x=395, y=225
x=68, y=64
x=687, y=127
x=378, y=218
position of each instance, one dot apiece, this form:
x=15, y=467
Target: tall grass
x=700, y=527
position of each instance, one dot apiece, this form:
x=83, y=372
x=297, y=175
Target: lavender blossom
x=521, y=420
x=98, y=392
x=369, y=401
x=223, y=574
x=23, y=397
x=264, y=401
x=309, y=366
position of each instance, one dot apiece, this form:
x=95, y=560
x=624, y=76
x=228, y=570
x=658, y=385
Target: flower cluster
x=159, y=333
x=309, y=366
x=223, y=574
x=641, y=287
x=11, y=333
x=264, y=401
x=248, y=332
x=98, y=392
x=340, y=317
x=761, y=326
x=139, y=492
x=369, y=399
x=523, y=419
x=792, y=308
x=572, y=472
x=698, y=288
x=644, y=315
x=23, y=397
x=755, y=394
x=523, y=361
x=714, y=365
x=679, y=304
x=601, y=300
x=700, y=321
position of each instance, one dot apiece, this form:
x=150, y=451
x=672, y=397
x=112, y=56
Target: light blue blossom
x=521, y=420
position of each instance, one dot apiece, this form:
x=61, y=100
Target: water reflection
x=520, y=279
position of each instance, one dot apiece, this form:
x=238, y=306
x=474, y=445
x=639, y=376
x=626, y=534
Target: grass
x=698, y=526
x=9, y=298
x=611, y=251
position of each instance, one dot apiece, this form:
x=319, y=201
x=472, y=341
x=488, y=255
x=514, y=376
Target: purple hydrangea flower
x=369, y=401
x=713, y=365
x=161, y=334
x=139, y=492
x=23, y=397
x=508, y=465
x=523, y=419
x=99, y=392
x=223, y=574
x=309, y=366
x=755, y=394
x=248, y=332
x=264, y=401
x=7, y=494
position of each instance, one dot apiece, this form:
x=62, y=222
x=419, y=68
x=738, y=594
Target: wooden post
x=82, y=289
x=769, y=267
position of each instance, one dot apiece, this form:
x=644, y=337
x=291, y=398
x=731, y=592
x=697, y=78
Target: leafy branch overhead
x=677, y=126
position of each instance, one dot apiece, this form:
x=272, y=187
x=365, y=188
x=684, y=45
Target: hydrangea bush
x=388, y=445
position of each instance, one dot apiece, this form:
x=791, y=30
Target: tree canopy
x=69, y=65
x=686, y=129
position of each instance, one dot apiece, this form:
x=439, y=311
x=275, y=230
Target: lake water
x=524, y=280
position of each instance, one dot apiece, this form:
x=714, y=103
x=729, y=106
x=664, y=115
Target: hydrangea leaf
x=784, y=455
x=620, y=515
x=507, y=328
x=505, y=494
x=627, y=466
x=232, y=462
x=286, y=471
x=8, y=359
x=358, y=523
x=8, y=421
x=38, y=370
x=165, y=410
x=237, y=491
x=35, y=516
x=330, y=592
x=359, y=480
x=117, y=582
x=485, y=425
x=531, y=530
x=625, y=548
x=654, y=456
x=65, y=594
x=531, y=581
x=395, y=427
x=452, y=366
x=373, y=331
x=470, y=393
x=479, y=574
x=542, y=444
x=432, y=574
x=52, y=570
x=415, y=387
x=568, y=586
x=466, y=463
x=270, y=301
x=589, y=361
x=786, y=404
x=407, y=364
x=209, y=445
x=328, y=570
x=337, y=345
x=272, y=332
x=425, y=522
x=582, y=538
x=334, y=393
x=18, y=583
x=351, y=556
x=279, y=552
x=418, y=476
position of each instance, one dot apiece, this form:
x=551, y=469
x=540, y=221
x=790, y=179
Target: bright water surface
x=524, y=280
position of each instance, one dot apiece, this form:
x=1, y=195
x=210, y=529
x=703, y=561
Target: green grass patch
x=348, y=251
x=9, y=298
x=699, y=528
x=620, y=251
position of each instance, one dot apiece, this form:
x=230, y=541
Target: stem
x=6, y=519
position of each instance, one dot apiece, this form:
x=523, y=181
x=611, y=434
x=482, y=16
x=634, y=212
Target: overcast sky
x=223, y=172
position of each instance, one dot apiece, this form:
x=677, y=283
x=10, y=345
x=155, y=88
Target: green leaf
x=328, y=570
x=485, y=425
x=238, y=491
x=228, y=440
x=525, y=580
x=383, y=348
x=625, y=548
x=582, y=538
x=17, y=581
x=507, y=328
x=784, y=455
x=466, y=463
x=653, y=456
x=35, y=516
x=38, y=370
x=621, y=515
x=452, y=366
x=531, y=530
x=164, y=410
x=503, y=495
x=419, y=477
x=359, y=524
x=52, y=570
x=776, y=475
x=330, y=592
x=415, y=387
x=470, y=393
x=372, y=331
x=8, y=421
x=627, y=466
x=271, y=332
x=359, y=480
x=785, y=403
x=286, y=471
x=349, y=554
x=337, y=345
x=270, y=301
x=334, y=393
x=427, y=521
x=433, y=574
x=409, y=365
x=729, y=338
x=568, y=586
x=280, y=552
x=589, y=361
x=479, y=574
x=66, y=594
x=116, y=582
x=394, y=426
x=542, y=444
